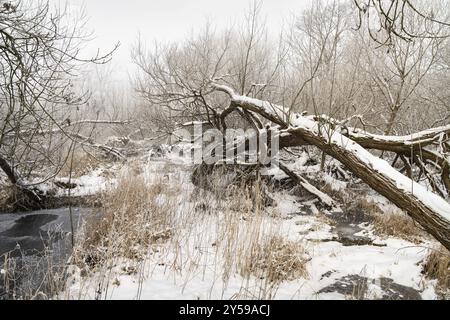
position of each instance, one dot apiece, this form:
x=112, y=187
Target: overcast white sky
x=121, y=20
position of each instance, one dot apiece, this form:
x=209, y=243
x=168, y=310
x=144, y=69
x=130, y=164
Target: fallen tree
x=430, y=210
x=418, y=147
x=187, y=81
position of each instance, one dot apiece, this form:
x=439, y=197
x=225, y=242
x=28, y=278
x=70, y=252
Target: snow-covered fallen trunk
x=415, y=142
x=324, y=198
x=428, y=209
x=423, y=137
x=417, y=146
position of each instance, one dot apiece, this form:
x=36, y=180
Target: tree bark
x=23, y=197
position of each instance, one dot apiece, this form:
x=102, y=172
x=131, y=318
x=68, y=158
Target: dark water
x=356, y=286
x=30, y=244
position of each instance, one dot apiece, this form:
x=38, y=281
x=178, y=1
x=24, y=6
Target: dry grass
x=223, y=229
x=40, y=278
x=358, y=208
x=437, y=266
x=252, y=243
x=390, y=223
x=6, y=196
x=275, y=259
x=82, y=164
x=397, y=224
x=133, y=216
x=226, y=183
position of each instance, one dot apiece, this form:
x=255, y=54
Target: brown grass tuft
x=133, y=216
x=437, y=266
x=82, y=164
x=397, y=224
x=276, y=260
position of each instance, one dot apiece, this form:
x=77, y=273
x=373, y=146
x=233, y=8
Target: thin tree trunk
x=8, y=170
x=24, y=198
x=391, y=121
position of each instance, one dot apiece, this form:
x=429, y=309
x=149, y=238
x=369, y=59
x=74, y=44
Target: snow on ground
x=162, y=283
x=88, y=184
x=195, y=264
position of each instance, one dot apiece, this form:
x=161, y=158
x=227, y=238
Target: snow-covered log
x=324, y=198
x=417, y=146
x=431, y=211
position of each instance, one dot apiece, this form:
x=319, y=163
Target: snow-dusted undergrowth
x=214, y=242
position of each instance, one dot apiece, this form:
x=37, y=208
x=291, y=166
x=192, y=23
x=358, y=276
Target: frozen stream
x=24, y=238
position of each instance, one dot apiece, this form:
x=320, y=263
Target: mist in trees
x=319, y=51
x=41, y=62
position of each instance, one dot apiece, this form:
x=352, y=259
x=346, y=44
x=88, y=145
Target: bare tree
x=176, y=78
x=39, y=58
x=385, y=21
x=394, y=74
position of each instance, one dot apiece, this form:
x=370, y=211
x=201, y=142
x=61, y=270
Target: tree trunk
x=404, y=146
x=23, y=197
x=431, y=221
x=8, y=170
x=391, y=121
